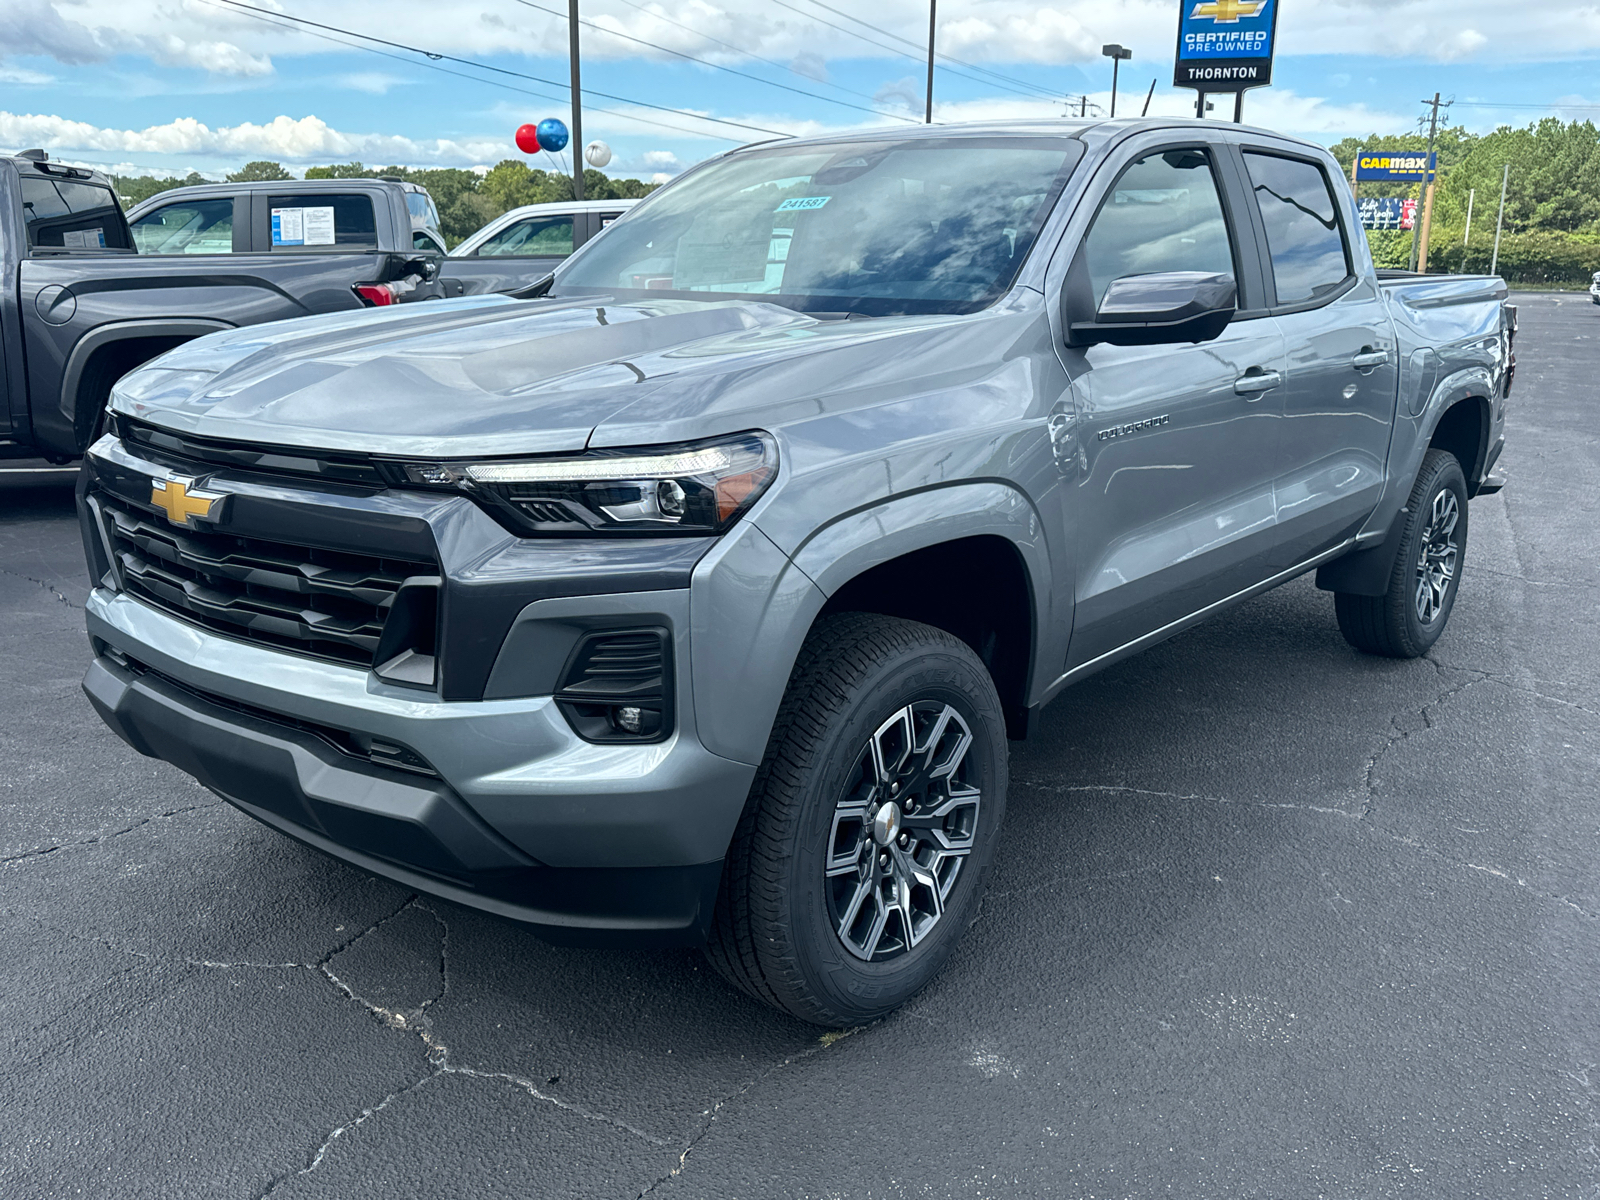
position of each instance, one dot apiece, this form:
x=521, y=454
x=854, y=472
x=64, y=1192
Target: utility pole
x=1117, y=54
x=1083, y=106
x=933, y=12
x=1466, y=238
x=577, y=102
x=1419, y=230
x=1505, y=178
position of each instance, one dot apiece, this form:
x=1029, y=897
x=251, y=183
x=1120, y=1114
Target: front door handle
x=1255, y=381
x=1369, y=358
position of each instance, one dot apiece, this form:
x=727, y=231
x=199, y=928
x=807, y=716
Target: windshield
x=917, y=226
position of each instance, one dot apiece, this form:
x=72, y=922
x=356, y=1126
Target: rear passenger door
x=208, y=225
x=1173, y=504
x=1339, y=398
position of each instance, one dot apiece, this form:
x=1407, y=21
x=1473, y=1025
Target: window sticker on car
x=85, y=238
x=288, y=227
x=318, y=226
x=302, y=226
x=796, y=203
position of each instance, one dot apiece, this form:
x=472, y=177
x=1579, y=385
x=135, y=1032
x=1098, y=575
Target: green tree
x=350, y=170
x=259, y=170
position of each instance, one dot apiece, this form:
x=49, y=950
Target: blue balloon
x=552, y=135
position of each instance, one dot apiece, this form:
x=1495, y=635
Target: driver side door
x=1173, y=497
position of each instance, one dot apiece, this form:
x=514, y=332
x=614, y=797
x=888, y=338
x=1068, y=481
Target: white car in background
x=525, y=243
x=1594, y=288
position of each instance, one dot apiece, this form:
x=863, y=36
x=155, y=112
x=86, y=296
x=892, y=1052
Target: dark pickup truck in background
x=84, y=298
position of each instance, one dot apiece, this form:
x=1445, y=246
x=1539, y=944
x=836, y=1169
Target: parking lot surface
x=1269, y=919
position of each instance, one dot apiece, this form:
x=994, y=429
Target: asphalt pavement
x=1270, y=919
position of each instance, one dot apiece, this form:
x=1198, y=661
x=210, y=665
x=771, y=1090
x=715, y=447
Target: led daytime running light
x=708, y=460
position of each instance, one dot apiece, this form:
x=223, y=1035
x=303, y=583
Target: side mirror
x=1164, y=307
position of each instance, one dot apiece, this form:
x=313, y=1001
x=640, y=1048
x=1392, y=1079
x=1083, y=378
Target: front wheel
x=864, y=849
x=1408, y=618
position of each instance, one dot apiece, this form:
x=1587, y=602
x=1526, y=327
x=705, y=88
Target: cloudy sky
x=169, y=86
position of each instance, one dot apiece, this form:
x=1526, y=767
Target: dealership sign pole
x=1225, y=46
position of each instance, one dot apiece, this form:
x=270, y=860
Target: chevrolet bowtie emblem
x=183, y=502
x=1227, y=12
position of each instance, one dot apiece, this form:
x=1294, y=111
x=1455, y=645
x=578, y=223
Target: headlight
x=698, y=488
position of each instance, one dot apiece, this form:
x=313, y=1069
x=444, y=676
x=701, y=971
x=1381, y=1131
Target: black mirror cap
x=1160, y=308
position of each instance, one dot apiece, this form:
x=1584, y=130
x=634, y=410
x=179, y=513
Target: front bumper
x=587, y=843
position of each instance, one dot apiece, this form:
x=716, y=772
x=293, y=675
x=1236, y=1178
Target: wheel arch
x=985, y=540
x=105, y=354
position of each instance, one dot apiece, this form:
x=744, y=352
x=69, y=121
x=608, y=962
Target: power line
x=745, y=53
x=714, y=66
x=919, y=47
x=810, y=16
x=239, y=4
x=474, y=78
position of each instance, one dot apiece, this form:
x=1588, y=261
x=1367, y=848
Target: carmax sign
x=1414, y=167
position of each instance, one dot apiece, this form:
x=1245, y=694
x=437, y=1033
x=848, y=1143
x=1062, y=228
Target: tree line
x=467, y=201
x=1552, y=217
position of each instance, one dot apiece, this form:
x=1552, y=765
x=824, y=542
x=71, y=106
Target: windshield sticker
x=318, y=226
x=797, y=203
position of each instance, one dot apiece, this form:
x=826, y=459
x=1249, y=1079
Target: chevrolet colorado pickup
x=694, y=600
x=84, y=299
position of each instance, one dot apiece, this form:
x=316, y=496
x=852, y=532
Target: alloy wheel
x=901, y=831
x=1436, y=564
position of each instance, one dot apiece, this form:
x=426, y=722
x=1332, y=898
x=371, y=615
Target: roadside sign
x=1405, y=167
x=1386, y=212
x=1225, y=45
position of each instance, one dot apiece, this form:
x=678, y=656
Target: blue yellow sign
x=1402, y=167
x=1225, y=45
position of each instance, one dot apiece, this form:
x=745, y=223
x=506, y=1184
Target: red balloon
x=528, y=139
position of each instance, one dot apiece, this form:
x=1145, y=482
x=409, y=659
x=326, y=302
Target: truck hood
x=488, y=375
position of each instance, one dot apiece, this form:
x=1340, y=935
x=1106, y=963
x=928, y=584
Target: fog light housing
x=617, y=686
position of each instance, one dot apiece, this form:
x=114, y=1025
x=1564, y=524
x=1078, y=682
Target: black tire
x=1395, y=624
x=777, y=930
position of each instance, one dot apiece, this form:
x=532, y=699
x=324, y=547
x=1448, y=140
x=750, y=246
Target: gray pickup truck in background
x=693, y=601
x=79, y=308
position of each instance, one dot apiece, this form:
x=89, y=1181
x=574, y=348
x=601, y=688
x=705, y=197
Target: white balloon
x=597, y=154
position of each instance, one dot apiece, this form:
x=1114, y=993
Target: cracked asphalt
x=1270, y=919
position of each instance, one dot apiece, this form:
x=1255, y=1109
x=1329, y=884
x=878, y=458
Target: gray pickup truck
x=79, y=307
x=694, y=601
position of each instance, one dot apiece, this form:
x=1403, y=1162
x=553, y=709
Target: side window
x=63, y=214
x=188, y=227
x=535, y=235
x=1309, y=259
x=421, y=239
x=1163, y=214
x=326, y=220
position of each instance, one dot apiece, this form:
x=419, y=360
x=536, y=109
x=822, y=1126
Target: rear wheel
x=1409, y=617
x=864, y=850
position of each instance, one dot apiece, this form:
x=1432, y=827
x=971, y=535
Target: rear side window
x=326, y=221
x=1309, y=258
x=420, y=206
x=535, y=235
x=64, y=213
x=189, y=227
x=1163, y=214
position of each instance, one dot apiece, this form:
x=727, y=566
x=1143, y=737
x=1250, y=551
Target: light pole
x=933, y=14
x=577, y=102
x=1117, y=54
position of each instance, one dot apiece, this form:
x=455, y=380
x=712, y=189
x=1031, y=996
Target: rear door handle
x=1255, y=381
x=1369, y=358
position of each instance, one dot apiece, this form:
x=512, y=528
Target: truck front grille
x=329, y=604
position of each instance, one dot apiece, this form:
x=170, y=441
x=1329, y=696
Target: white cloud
x=35, y=27
x=22, y=75
x=996, y=31
x=219, y=58
x=375, y=83
x=286, y=139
